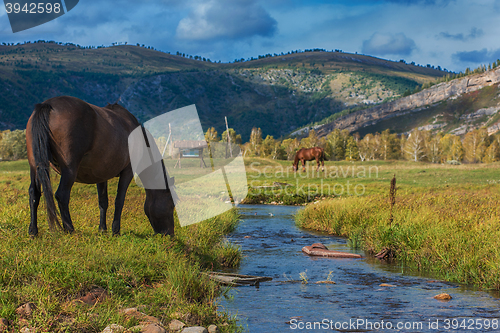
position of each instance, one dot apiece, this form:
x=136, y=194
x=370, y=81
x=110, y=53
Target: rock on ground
x=4, y=325
x=134, y=313
x=443, y=297
x=27, y=330
x=114, y=328
x=94, y=296
x=195, y=329
x=176, y=325
x=213, y=329
x=153, y=328
x=25, y=310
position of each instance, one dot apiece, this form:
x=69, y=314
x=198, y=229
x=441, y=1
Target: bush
x=13, y=145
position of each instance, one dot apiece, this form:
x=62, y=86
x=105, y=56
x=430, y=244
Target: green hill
x=277, y=93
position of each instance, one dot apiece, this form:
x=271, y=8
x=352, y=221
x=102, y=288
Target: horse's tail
x=41, y=153
x=322, y=154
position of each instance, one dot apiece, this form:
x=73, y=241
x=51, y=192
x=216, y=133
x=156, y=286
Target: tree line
x=475, y=147
x=339, y=145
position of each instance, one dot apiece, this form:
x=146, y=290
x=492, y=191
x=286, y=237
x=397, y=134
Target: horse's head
x=159, y=208
x=159, y=205
x=295, y=166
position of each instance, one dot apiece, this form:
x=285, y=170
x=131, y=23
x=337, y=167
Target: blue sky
x=454, y=34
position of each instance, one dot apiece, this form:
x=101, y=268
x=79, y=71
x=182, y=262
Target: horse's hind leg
x=34, y=197
x=125, y=178
x=102, y=193
x=68, y=176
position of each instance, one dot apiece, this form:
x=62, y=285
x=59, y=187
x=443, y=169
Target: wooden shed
x=190, y=149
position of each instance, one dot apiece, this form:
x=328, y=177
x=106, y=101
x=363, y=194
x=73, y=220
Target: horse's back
x=93, y=139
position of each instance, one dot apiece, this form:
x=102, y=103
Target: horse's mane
x=112, y=106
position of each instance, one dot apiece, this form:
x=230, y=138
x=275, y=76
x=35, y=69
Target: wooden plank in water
x=320, y=250
x=231, y=279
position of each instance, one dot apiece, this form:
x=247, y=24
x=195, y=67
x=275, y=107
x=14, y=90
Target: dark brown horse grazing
x=87, y=144
x=309, y=154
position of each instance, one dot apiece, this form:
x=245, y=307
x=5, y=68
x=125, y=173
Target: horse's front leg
x=125, y=178
x=303, y=165
x=34, y=197
x=102, y=193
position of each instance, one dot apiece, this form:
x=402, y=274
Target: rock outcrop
x=412, y=103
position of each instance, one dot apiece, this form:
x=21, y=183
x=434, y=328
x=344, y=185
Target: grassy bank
x=451, y=233
x=161, y=275
x=272, y=181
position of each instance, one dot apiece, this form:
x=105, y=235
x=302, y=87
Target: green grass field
x=445, y=224
x=352, y=179
x=161, y=275
x=445, y=220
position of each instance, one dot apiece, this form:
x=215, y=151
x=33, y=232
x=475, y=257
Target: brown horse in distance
x=309, y=154
x=87, y=144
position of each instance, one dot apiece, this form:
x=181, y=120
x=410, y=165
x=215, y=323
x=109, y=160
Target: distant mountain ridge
x=278, y=94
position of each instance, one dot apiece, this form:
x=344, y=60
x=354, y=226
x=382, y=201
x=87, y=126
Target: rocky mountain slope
x=456, y=107
x=277, y=93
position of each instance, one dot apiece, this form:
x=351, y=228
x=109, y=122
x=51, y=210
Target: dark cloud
x=474, y=33
x=383, y=44
x=226, y=19
x=477, y=56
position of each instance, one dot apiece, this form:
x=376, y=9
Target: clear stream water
x=356, y=303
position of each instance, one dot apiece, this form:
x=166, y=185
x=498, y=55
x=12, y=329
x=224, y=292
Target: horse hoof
x=33, y=233
x=165, y=233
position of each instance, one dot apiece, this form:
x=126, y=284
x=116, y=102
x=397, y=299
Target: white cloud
x=226, y=19
x=384, y=44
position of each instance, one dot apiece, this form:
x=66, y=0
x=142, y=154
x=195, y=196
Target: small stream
x=356, y=303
